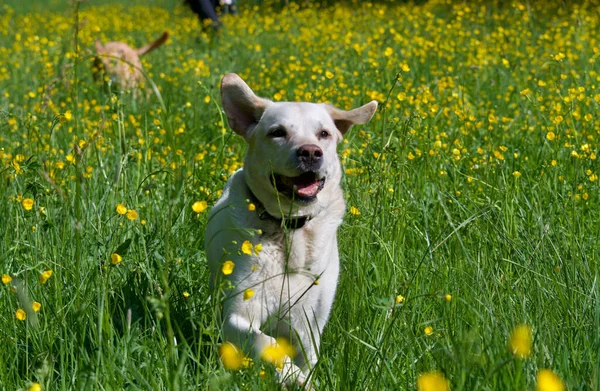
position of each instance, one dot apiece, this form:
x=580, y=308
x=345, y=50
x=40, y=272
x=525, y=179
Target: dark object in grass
x=207, y=10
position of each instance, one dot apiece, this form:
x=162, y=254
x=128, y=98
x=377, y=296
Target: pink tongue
x=308, y=190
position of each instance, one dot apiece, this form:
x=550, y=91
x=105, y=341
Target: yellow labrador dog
x=288, y=200
x=122, y=63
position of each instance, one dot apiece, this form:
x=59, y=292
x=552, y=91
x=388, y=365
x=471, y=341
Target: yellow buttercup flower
x=354, y=210
x=27, y=203
x=132, y=214
x=277, y=353
x=6, y=279
x=227, y=268
x=121, y=209
x=549, y=381
x=247, y=247
x=428, y=330
x=45, y=276
x=448, y=297
x=399, y=299
x=231, y=357
x=247, y=362
x=251, y=207
x=248, y=294
x=20, y=314
x=36, y=306
x=115, y=259
x=258, y=248
x=199, y=206
x=520, y=341
x=35, y=387
x=432, y=381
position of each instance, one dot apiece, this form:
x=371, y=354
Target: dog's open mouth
x=304, y=187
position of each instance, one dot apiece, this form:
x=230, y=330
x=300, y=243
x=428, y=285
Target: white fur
x=287, y=302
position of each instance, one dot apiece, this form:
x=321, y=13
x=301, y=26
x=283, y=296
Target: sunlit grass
x=470, y=247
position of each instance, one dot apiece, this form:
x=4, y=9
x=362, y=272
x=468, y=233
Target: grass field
x=473, y=194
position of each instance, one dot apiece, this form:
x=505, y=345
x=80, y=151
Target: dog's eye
x=323, y=134
x=279, y=131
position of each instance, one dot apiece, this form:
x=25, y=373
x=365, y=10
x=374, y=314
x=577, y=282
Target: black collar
x=288, y=223
x=295, y=223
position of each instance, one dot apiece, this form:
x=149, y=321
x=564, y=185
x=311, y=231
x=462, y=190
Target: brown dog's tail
x=151, y=46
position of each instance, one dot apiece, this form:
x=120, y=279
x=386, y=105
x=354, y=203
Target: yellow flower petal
x=27, y=203
x=277, y=353
x=132, y=214
x=248, y=294
x=35, y=387
x=199, y=206
x=432, y=381
x=520, y=341
x=354, y=210
x=6, y=279
x=45, y=276
x=231, y=357
x=227, y=268
x=115, y=259
x=20, y=314
x=549, y=381
x=36, y=306
x=247, y=247
x=121, y=209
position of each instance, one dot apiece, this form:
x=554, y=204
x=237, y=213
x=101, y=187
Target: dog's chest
x=291, y=251
x=288, y=266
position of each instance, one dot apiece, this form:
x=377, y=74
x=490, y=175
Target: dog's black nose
x=310, y=157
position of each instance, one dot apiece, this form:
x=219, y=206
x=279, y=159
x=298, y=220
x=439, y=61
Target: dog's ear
x=242, y=107
x=345, y=119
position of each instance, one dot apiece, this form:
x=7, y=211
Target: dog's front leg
x=307, y=339
x=315, y=313
x=242, y=332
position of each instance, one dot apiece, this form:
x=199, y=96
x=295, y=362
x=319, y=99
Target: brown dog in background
x=122, y=63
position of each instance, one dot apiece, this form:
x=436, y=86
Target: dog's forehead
x=302, y=114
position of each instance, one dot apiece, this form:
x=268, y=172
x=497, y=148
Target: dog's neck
x=288, y=223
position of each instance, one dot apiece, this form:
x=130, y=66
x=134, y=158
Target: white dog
x=288, y=199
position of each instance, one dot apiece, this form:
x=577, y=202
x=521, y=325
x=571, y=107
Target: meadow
x=470, y=250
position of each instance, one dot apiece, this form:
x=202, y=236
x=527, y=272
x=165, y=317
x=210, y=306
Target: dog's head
x=291, y=165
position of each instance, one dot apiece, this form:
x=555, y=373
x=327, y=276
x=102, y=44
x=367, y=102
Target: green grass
x=477, y=178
